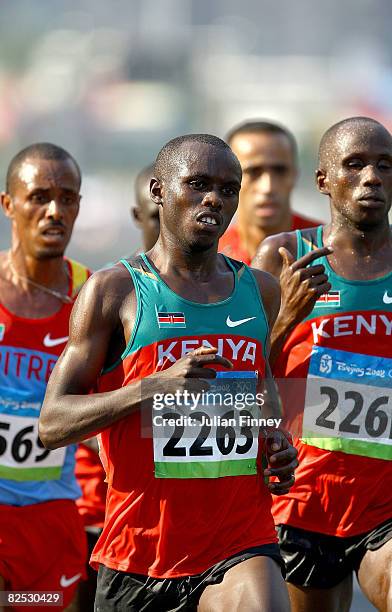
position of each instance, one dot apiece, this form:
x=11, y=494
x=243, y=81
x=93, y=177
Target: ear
x=156, y=191
x=136, y=215
x=322, y=182
x=7, y=204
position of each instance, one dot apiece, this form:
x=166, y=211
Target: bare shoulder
x=105, y=292
x=270, y=293
x=268, y=257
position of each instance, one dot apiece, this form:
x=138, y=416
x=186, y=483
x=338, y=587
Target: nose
x=264, y=183
x=213, y=199
x=371, y=175
x=54, y=210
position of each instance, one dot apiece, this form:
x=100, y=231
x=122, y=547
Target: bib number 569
x=22, y=445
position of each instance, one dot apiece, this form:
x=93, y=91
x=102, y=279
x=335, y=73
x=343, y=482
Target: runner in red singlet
x=188, y=520
x=42, y=542
x=332, y=339
x=268, y=155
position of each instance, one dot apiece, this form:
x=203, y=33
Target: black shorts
x=321, y=561
x=121, y=591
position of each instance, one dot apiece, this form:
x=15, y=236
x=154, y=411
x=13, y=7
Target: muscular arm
x=69, y=413
x=301, y=283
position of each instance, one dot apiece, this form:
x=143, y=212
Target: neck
x=49, y=272
x=251, y=236
x=350, y=238
x=168, y=255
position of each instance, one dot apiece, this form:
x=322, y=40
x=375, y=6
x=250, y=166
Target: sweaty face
x=358, y=174
x=200, y=196
x=45, y=203
x=268, y=176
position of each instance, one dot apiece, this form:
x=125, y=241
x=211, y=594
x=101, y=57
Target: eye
x=197, y=184
x=38, y=198
x=253, y=173
x=384, y=164
x=229, y=191
x=69, y=199
x=354, y=164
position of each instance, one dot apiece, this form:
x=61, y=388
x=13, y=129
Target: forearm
x=281, y=329
x=67, y=419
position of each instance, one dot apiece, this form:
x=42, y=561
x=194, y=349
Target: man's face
x=43, y=205
x=358, y=175
x=146, y=215
x=269, y=173
x=200, y=195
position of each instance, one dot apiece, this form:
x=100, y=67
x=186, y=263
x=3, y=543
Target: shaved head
x=336, y=135
x=171, y=153
x=37, y=151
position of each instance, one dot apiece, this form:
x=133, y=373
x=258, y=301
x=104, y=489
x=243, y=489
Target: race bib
x=213, y=437
x=22, y=454
x=348, y=403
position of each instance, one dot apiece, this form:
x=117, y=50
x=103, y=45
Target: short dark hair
x=260, y=126
x=40, y=150
x=328, y=139
x=170, y=152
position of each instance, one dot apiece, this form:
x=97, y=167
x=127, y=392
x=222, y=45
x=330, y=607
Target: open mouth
x=55, y=232
x=209, y=219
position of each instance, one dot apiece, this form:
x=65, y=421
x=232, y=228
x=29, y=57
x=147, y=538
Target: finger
x=282, y=472
x=321, y=289
x=276, y=441
x=199, y=372
x=279, y=488
x=311, y=271
x=204, y=350
x=286, y=256
x=201, y=360
x=307, y=259
x=284, y=457
x=318, y=280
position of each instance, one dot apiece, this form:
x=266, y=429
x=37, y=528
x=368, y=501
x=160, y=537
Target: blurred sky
x=113, y=81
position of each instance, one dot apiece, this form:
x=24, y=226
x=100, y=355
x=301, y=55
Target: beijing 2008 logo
x=326, y=364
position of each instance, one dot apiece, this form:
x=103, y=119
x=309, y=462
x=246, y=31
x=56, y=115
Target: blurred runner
x=145, y=211
x=333, y=340
x=268, y=155
x=42, y=541
x=188, y=522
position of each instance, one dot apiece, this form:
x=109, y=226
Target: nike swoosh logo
x=66, y=582
x=49, y=342
x=387, y=299
x=231, y=323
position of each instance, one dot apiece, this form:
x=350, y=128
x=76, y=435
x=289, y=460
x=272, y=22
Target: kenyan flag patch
x=329, y=300
x=171, y=320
